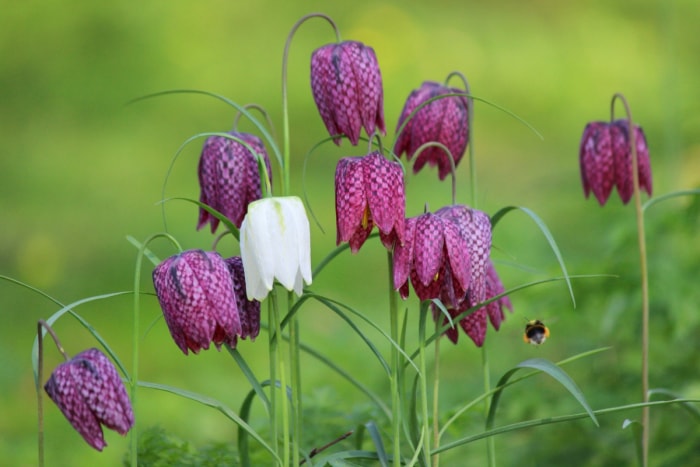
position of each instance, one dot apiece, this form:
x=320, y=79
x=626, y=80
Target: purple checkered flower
x=475, y=227
x=196, y=294
x=347, y=87
x=229, y=178
x=369, y=190
x=435, y=256
x=248, y=310
x=90, y=393
x=444, y=120
x=605, y=158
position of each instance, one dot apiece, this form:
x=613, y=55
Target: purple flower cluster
x=443, y=255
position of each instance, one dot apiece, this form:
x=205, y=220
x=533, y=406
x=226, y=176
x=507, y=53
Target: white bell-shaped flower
x=275, y=244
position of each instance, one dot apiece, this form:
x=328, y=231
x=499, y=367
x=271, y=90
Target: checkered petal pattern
x=444, y=120
x=347, y=87
x=89, y=392
x=369, y=190
x=229, y=179
x=196, y=294
x=605, y=158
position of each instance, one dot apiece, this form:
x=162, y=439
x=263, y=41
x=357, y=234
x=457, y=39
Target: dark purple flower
x=369, y=190
x=605, y=158
x=434, y=255
x=494, y=287
x=248, y=310
x=89, y=392
x=229, y=178
x=196, y=294
x=475, y=323
x=347, y=87
x=444, y=120
x=475, y=227
x=622, y=154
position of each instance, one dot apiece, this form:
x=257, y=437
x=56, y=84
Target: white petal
x=257, y=285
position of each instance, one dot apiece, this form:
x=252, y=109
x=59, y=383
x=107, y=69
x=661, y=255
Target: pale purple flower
x=605, y=158
x=369, y=190
x=347, y=86
x=196, y=294
x=90, y=393
x=229, y=178
x=444, y=120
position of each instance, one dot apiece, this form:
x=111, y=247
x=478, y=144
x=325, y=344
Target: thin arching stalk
x=644, y=273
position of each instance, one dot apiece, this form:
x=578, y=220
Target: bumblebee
x=535, y=332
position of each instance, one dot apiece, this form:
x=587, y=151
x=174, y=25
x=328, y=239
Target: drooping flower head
x=229, y=178
x=369, y=190
x=90, y=393
x=347, y=87
x=248, y=310
x=444, y=120
x=434, y=255
x=275, y=244
x=605, y=157
x=196, y=294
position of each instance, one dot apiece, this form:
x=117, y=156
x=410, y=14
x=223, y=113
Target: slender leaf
x=224, y=220
x=667, y=394
x=378, y=444
x=636, y=436
x=69, y=309
x=668, y=196
x=250, y=376
x=547, y=234
x=512, y=381
x=146, y=252
x=334, y=306
x=215, y=404
x=552, y=370
x=551, y=420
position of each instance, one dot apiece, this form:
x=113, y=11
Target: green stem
x=294, y=345
x=424, y=383
x=285, y=96
x=490, y=442
x=283, y=386
x=395, y=364
x=645, y=277
x=40, y=377
x=436, y=396
x=272, y=351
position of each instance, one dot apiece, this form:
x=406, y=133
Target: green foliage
x=157, y=448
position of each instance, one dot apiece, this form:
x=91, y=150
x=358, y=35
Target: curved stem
x=470, y=137
x=644, y=273
x=40, y=371
x=285, y=99
x=260, y=109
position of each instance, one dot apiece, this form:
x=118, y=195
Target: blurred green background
x=81, y=170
